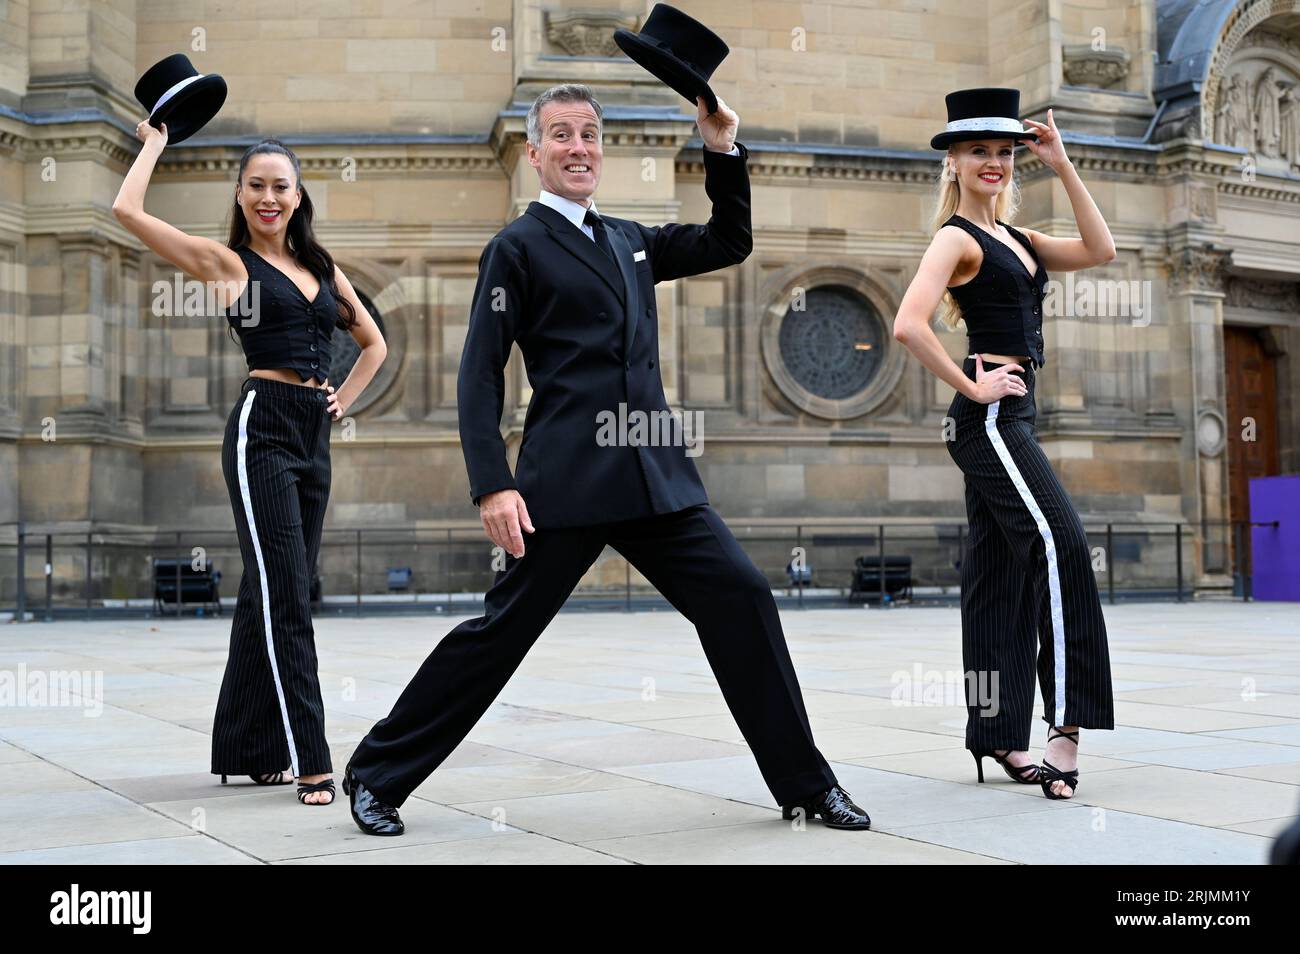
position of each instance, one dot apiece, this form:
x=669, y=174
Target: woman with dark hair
x=1027, y=574
x=282, y=296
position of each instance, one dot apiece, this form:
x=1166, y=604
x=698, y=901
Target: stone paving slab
x=612, y=745
x=181, y=850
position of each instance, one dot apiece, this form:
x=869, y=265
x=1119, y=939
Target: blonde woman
x=1026, y=575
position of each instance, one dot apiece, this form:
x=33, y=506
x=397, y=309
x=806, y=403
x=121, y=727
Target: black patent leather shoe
x=836, y=809
x=371, y=815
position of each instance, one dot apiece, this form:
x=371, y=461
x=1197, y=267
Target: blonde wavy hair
x=946, y=199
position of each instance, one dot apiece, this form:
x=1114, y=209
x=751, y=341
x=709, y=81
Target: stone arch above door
x=1252, y=95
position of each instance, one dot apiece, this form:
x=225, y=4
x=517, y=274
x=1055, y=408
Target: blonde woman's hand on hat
x=998, y=383
x=717, y=129
x=1049, y=147
x=147, y=133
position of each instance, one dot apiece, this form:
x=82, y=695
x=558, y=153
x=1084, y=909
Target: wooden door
x=1252, y=413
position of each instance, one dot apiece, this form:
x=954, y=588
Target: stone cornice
x=457, y=160
x=162, y=438
x=923, y=437
x=76, y=142
x=1266, y=188
x=400, y=434
x=799, y=161
x=88, y=134
x=91, y=222
x=107, y=438
x=13, y=219
x=622, y=129
x=777, y=246
x=1178, y=159
x=1115, y=161
x=394, y=237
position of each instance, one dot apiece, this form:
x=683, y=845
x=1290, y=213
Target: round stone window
x=833, y=347
x=826, y=346
x=346, y=349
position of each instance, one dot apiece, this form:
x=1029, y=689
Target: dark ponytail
x=300, y=238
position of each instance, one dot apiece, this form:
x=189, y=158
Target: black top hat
x=985, y=113
x=177, y=94
x=678, y=50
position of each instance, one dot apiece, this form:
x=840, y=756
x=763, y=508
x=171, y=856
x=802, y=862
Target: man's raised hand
x=718, y=129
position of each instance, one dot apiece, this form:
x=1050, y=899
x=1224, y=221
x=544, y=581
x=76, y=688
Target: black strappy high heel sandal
x=1051, y=773
x=1024, y=774
x=325, y=786
x=282, y=777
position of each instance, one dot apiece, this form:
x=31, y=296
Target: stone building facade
x=1183, y=118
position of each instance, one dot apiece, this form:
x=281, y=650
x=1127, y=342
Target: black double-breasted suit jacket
x=587, y=327
x=589, y=334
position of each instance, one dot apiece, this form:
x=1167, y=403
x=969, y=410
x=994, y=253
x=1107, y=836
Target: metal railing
x=101, y=572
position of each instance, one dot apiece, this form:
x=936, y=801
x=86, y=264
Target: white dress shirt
x=575, y=212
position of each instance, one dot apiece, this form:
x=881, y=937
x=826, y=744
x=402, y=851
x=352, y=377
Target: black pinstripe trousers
x=1026, y=578
x=276, y=461
x=689, y=556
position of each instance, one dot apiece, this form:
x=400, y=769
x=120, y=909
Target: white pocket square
x=638, y=256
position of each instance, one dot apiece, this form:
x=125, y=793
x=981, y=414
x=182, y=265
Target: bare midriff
x=287, y=376
x=1004, y=358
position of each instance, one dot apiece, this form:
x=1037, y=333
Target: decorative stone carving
x=1267, y=296
x=587, y=32
x=1289, y=126
x=1199, y=268
x=1267, y=113
x=1232, y=125
x=1085, y=66
x=1260, y=111
x=1273, y=40
x=1210, y=432
x=1201, y=202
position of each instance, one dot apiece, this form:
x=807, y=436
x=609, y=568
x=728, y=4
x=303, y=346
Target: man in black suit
x=575, y=291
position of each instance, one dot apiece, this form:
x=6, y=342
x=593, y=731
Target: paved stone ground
x=612, y=744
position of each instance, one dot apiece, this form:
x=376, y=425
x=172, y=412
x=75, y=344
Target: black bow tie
x=598, y=231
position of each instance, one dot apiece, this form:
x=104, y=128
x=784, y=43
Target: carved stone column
x=84, y=461
x=1197, y=280
x=1157, y=391
x=130, y=343
x=83, y=303
x=11, y=342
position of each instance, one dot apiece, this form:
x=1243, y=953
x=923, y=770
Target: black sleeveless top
x=1003, y=304
x=276, y=324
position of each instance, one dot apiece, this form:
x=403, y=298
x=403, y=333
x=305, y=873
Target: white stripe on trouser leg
x=261, y=574
x=1053, y=577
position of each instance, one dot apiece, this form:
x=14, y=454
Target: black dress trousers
x=276, y=461
x=694, y=561
x=1027, y=581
